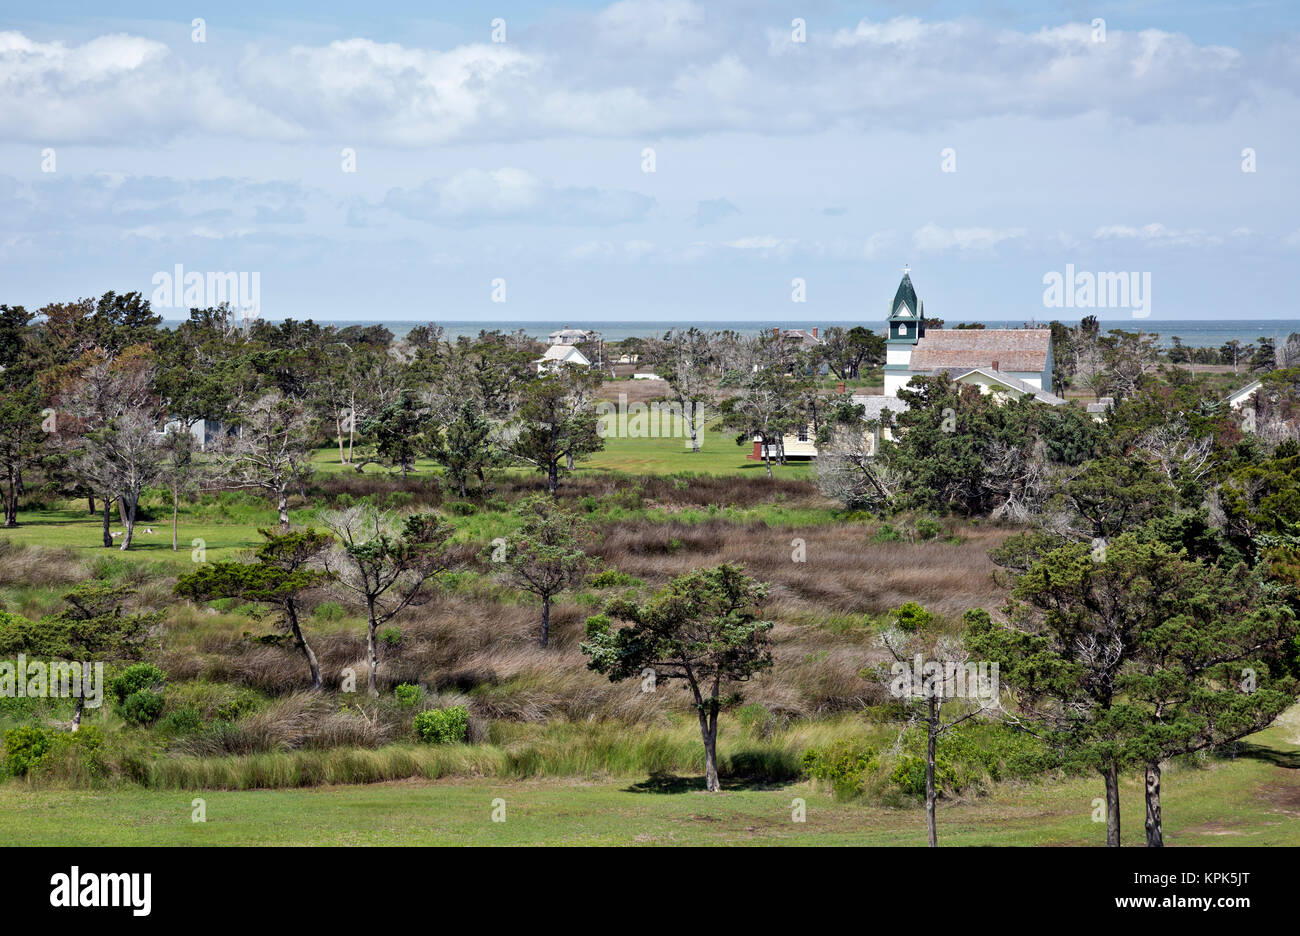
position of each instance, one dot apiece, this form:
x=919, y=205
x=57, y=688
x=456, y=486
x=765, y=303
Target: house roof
x=1245, y=391
x=566, y=353
x=906, y=295
x=802, y=335
x=875, y=404
x=1014, y=349
x=1015, y=383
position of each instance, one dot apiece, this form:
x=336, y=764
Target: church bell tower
x=906, y=327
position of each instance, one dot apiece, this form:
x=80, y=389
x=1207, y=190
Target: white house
x=559, y=354
x=1005, y=386
x=204, y=431
x=802, y=443
x=1238, y=398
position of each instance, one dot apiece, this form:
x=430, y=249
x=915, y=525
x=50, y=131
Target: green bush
x=928, y=528
x=141, y=708
x=909, y=775
x=137, y=692
x=612, y=578
x=409, y=694
x=186, y=720
x=462, y=508
x=24, y=748
x=329, y=611
x=134, y=678
x=844, y=765
x=886, y=533
x=443, y=726
x=390, y=636
x=912, y=617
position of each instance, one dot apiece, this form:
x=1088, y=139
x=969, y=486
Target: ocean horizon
x=1192, y=332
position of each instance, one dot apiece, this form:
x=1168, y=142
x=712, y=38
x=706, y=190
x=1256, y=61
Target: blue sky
x=775, y=160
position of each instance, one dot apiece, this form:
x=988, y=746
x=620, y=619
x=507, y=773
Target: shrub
x=927, y=528
x=612, y=578
x=141, y=708
x=329, y=611
x=462, y=508
x=887, y=534
x=390, y=636
x=912, y=617
x=909, y=775
x=137, y=690
x=844, y=765
x=442, y=726
x=409, y=694
x=24, y=748
x=133, y=679
x=186, y=720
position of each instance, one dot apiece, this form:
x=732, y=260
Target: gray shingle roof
x=1014, y=349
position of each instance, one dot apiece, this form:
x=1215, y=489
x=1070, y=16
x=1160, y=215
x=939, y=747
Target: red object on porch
x=757, y=454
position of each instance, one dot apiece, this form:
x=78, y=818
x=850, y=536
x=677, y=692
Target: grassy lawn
x=1249, y=801
x=718, y=455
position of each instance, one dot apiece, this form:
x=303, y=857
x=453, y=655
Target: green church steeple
x=906, y=313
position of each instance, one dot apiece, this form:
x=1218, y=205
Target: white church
x=1014, y=361
x=1007, y=362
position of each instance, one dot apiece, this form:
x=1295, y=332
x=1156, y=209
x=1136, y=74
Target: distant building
x=1023, y=354
x=1238, y=398
x=204, y=431
x=805, y=339
x=557, y=355
x=802, y=443
x=572, y=336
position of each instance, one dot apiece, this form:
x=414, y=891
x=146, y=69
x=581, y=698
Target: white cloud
x=509, y=194
x=934, y=239
x=637, y=67
x=1158, y=235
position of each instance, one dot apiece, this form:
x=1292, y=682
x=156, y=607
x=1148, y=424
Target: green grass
x=1248, y=801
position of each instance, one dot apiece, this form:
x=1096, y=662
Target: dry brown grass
x=33, y=565
x=472, y=641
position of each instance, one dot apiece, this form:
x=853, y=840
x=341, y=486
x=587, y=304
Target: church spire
x=905, y=304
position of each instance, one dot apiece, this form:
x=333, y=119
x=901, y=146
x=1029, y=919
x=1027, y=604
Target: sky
x=655, y=159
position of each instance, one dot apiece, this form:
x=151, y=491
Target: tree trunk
x=282, y=505
x=91, y=499
x=553, y=477
x=11, y=504
x=709, y=732
x=176, y=507
x=568, y=460
x=81, y=705
x=128, y=521
x=108, y=539
x=338, y=424
x=932, y=731
x=767, y=457
x=372, y=648
x=291, y=611
x=1112, y=806
x=546, y=619
x=1155, y=828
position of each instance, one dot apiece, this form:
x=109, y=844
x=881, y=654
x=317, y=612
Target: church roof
x=906, y=295
x=1012, y=349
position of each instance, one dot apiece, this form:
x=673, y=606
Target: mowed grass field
x=1252, y=800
